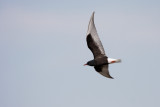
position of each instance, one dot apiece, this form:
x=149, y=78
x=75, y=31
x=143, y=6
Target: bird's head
x=90, y=63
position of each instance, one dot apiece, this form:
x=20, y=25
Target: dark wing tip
x=108, y=76
x=111, y=77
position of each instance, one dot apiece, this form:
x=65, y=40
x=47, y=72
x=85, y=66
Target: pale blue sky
x=43, y=49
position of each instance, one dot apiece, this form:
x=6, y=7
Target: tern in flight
x=100, y=61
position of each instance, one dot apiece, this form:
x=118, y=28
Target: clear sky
x=43, y=49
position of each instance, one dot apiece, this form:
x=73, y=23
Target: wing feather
x=93, y=41
x=103, y=70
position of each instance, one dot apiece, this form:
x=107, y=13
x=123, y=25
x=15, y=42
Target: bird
x=101, y=61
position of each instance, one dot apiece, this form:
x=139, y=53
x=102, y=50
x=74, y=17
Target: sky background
x=43, y=49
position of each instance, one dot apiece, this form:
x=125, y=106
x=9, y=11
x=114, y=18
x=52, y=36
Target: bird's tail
x=118, y=60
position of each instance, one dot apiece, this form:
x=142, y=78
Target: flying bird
x=100, y=61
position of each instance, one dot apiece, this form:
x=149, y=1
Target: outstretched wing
x=103, y=70
x=93, y=41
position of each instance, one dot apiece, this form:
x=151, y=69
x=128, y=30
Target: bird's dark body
x=98, y=61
